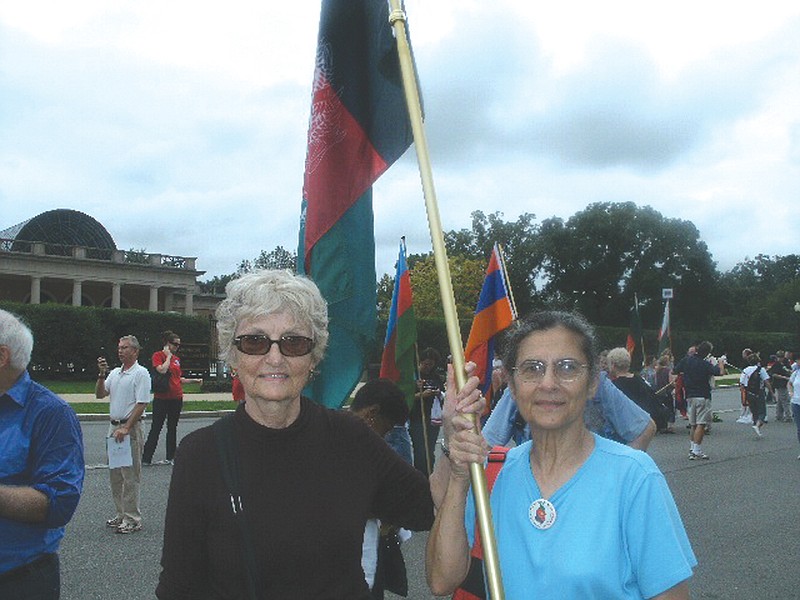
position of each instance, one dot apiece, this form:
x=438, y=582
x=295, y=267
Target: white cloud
x=128, y=110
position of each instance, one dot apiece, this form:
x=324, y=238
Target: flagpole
x=507, y=281
x=397, y=20
x=427, y=445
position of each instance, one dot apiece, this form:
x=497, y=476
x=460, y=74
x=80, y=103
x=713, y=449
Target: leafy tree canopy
x=467, y=276
x=596, y=260
x=760, y=293
x=521, y=248
x=279, y=258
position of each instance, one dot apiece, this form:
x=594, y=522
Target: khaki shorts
x=699, y=411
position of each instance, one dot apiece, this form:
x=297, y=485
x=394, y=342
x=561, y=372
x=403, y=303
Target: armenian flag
x=495, y=312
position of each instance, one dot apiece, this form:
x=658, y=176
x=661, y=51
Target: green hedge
x=68, y=339
x=432, y=332
x=216, y=385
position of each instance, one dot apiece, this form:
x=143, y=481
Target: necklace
x=542, y=514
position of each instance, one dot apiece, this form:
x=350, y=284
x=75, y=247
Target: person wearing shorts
x=697, y=370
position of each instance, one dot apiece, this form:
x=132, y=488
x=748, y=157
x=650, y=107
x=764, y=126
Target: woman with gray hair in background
x=636, y=388
x=308, y=477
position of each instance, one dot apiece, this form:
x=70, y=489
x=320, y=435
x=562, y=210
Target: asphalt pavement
x=740, y=509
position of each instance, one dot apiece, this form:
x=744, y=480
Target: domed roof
x=66, y=227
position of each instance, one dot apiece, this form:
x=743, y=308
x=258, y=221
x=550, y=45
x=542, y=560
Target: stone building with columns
x=68, y=257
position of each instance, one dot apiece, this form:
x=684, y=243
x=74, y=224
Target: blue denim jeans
x=796, y=416
x=41, y=580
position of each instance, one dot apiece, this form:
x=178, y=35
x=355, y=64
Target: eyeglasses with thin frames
x=289, y=345
x=565, y=370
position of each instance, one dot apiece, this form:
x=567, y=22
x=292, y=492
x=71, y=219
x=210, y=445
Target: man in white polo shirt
x=129, y=388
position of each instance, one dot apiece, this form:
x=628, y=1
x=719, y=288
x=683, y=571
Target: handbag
x=436, y=410
x=159, y=381
x=391, y=564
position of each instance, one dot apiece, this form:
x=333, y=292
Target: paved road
x=740, y=509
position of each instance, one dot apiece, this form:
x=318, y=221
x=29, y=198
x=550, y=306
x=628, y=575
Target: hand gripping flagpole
x=397, y=19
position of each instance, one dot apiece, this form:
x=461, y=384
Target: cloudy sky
x=181, y=126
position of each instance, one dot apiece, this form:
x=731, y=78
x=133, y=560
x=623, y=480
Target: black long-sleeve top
x=307, y=491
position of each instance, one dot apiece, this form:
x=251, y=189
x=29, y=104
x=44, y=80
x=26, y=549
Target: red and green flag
x=634, y=343
x=664, y=336
x=398, y=362
x=359, y=126
x=495, y=312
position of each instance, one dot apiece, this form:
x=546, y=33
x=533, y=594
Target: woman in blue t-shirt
x=575, y=515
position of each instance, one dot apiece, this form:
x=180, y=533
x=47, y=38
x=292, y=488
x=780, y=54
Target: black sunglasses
x=289, y=345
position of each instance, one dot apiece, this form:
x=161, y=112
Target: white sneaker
x=128, y=527
x=757, y=429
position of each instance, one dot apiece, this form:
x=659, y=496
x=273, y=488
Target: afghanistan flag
x=664, y=337
x=359, y=126
x=634, y=340
x=399, y=362
x=493, y=314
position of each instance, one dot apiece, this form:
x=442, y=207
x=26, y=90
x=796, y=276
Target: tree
x=467, y=276
x=520, y=245
x=385, y=291
x=279, y=258
x=215, y=285
x=137, y=256
x=595, y=262
x=759, y=294
x=767, y=271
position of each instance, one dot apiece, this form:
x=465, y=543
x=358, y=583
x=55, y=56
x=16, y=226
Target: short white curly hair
x=268, y=292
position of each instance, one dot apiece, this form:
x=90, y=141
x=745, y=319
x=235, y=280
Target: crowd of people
x=287, y=499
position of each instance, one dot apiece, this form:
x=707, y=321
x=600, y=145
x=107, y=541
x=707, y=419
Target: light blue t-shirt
x=617, y=532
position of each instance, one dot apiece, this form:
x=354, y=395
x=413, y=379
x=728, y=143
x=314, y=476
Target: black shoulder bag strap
x=226, y=449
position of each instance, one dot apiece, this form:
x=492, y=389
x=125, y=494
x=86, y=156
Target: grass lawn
x=101, y=408
x=87, y=387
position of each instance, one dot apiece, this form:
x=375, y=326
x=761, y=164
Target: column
x=115, y=295
x=36, y=290
x=153, y=299
x=189, y=310
x=77, y=291
x=169, y=301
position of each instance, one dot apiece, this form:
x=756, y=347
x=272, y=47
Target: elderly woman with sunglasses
x=575, y=515
x=309, y=477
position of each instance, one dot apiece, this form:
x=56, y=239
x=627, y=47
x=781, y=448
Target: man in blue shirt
x=41, y=471
x=698, y=369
